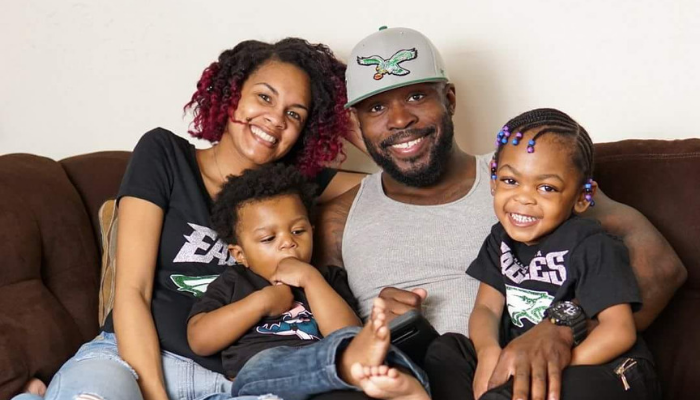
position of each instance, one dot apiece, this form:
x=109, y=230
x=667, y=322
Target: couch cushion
x=96, y=176
x=50, y=266
x=661, y=179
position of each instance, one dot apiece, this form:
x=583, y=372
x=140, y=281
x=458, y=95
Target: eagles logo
x=390, y=66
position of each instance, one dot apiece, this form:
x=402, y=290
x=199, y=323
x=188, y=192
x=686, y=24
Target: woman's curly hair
x=253, y=185
x=219, y=90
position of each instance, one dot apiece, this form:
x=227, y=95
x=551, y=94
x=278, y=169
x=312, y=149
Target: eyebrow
x=538, y=177
x=294, y=221
x=276, y=93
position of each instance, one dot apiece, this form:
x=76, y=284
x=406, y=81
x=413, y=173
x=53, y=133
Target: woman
x=260, y=103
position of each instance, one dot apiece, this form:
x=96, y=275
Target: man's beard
x=417, y=176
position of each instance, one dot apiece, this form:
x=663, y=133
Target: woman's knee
x=94, y=379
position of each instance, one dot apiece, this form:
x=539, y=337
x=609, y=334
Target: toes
x=383, y=332
x=358, y=372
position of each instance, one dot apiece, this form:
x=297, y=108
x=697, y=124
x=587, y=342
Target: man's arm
x=656, y=265
x=328, y=229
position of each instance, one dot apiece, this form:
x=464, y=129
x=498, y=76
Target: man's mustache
x=406, y=133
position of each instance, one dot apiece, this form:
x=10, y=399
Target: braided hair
x=551, y=121
x=219, y=90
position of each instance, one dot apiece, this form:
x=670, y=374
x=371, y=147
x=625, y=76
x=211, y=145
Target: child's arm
x=211, y=332
x=614, y=335
x=483, y=331
x=330, y=310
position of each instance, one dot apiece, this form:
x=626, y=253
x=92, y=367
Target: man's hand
x=535, y=361
x=399, y=301
x=278, y=299
x=293, y=272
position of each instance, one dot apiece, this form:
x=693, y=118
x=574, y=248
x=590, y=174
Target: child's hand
x=294, y=272
x=278, y=299
x=486, y=363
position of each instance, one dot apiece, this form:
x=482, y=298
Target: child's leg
x=600, y=382
x=383, y=382
x=450, y=364
x=296, y=373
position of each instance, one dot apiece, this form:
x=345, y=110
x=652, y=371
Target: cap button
x=381, y=28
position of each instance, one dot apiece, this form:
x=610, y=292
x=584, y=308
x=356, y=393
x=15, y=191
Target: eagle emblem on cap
x=390, y=66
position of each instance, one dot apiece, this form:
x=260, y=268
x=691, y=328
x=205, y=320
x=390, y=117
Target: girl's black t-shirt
x=163, y=170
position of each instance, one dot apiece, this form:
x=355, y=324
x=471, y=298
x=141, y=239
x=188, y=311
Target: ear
x=493, y=185
x=451, y=96
x=582, y=204
x=238, y=253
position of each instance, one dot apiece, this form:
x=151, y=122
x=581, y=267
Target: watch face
x=566, y=311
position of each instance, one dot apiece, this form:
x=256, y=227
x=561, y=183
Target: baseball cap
x=389, y=59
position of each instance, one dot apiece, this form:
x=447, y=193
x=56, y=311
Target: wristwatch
x=569, y=314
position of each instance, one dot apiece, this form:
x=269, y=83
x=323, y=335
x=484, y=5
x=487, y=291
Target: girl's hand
x=486, y=363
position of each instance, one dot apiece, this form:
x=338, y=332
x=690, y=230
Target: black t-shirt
x=297, y=327
x=579, y=260
x=163, y=169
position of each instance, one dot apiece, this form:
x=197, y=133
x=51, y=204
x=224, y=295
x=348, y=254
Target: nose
x=288, y=242
x=525, y=197
x=400, y=117
x=275, y=118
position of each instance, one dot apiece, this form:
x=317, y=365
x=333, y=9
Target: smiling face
x=275, y=102
x=271, y=230
x=408, y=131
x=535, y=193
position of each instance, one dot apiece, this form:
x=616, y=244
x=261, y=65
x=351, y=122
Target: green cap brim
x=398, y=85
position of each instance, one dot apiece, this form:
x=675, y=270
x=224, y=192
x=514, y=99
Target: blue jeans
x=299, y=372
x=97, y=370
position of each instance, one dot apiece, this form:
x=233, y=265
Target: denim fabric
x=299, y=372
x=97, y=370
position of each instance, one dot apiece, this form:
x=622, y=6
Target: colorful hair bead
x=588, y=188
x=493, y=169
x=531, y=146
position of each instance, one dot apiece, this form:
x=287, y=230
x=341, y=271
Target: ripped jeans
x=96, y=372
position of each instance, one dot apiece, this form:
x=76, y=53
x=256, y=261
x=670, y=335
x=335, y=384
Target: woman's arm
x=656, y=265
x=614, y=335
x=138, y=238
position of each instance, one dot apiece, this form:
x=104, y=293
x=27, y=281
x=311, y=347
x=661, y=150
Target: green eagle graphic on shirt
x=526, y=304
x=197, y=285
x=390, y=66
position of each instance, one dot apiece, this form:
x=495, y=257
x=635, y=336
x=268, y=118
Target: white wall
x=81, y=76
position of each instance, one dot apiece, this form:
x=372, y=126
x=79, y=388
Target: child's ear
x=582, y=203
x=493, y=186
x=238, y=253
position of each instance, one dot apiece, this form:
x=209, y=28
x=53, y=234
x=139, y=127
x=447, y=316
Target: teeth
x=407, y=144
x=523, y=219
x=263, y=135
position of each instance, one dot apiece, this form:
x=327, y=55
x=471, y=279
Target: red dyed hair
x=219, y=90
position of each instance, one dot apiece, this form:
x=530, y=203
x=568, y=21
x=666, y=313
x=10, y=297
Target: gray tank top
x=389, y=243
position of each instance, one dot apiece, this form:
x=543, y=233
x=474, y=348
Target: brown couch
x=50, y=252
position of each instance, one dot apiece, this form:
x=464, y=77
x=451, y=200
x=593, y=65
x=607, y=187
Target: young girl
x=542, y=261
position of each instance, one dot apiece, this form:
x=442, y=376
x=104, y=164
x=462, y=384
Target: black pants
x=451, y=363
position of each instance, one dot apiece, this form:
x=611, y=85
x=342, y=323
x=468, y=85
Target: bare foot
x=370, y=345
x=35, y=386
x=382, y=382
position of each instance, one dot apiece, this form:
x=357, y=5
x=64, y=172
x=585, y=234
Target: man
x=409, y=232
